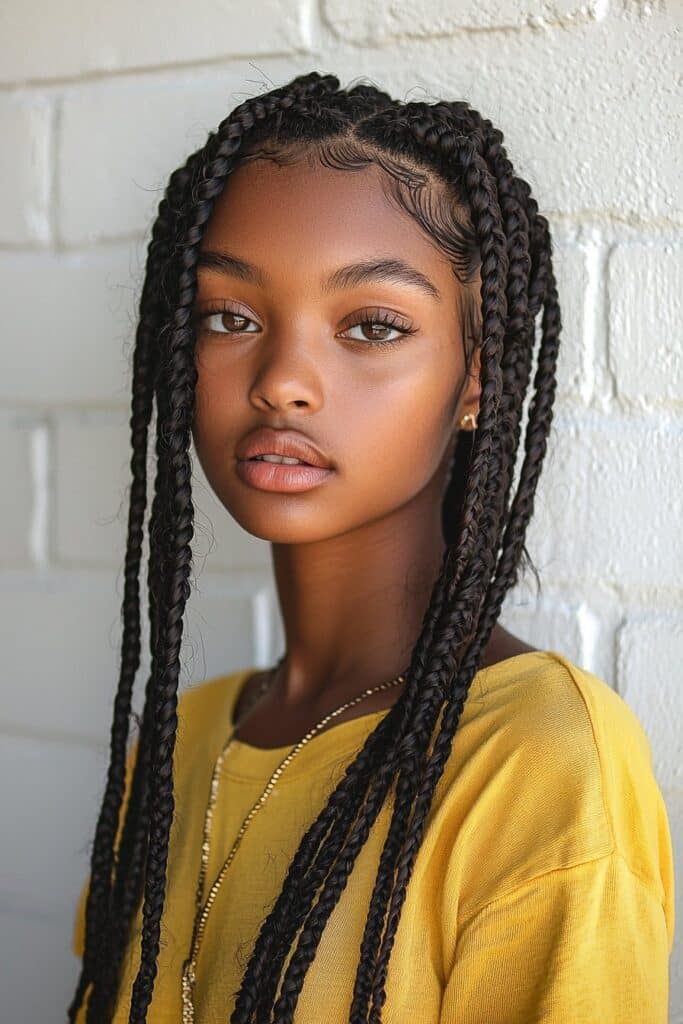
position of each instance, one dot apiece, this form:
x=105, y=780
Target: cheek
x=217, y=398
x=395, y=437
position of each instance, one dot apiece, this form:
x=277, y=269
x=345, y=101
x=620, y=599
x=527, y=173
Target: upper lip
x=291, y=443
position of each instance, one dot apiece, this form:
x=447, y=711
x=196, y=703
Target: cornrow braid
x=446, y=144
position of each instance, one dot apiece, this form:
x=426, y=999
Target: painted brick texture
x=98, y=103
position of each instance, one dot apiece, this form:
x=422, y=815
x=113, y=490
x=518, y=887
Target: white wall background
x=98, y=103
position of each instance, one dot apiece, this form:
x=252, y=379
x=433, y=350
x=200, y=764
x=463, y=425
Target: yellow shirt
x=543, y=889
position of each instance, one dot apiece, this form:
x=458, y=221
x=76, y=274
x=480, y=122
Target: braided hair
x=448, y=167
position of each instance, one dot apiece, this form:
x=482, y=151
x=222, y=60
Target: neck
x=352, y=606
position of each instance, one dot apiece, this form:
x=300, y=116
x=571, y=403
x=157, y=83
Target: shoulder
x=548, y=702
x=633, y=802
x=550, y=769
x=594, y=734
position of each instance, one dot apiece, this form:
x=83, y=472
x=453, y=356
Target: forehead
x=310, y=217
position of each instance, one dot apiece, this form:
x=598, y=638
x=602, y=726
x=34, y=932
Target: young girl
x=414, y=816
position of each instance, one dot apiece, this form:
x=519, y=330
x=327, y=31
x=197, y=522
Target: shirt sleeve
x=78, y=933
x=586, y=944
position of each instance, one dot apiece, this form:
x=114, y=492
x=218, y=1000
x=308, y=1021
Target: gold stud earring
x=467, y=418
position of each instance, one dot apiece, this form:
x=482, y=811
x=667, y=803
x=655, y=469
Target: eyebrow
x=389, y=269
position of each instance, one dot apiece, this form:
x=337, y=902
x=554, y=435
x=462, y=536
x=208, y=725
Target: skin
x=355, y=557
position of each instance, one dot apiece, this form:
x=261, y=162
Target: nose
x=286, y=376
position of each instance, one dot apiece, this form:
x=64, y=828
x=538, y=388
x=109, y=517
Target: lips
x=290, y=443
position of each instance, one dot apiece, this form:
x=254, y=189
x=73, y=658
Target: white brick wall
x=93, y=117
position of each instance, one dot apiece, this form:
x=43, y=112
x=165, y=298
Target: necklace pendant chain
x=202, y=910
x=188, y=992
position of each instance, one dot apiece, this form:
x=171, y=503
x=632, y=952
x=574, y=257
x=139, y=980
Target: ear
x=471, y=393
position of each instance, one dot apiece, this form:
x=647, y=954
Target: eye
x=218, y=321
x=382, y=320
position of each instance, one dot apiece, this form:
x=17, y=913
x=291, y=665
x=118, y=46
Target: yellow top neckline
x=244, y=761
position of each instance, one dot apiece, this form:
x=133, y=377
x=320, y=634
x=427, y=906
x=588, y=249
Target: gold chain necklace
x=202, y=912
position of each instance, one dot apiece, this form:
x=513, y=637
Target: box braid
x=145, y=369
x=515, y=364
x=513, y=244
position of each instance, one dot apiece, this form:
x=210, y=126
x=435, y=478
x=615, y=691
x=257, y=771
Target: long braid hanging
x=370, y=977
x=464, y=597
x=374, y=973
x=134, y=843
x=455, y=702
x=144, y=369
x=539, y=423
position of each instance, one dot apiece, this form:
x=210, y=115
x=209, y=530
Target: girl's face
x=278, y=347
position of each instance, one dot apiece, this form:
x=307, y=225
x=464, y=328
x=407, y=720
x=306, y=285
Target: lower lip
x=280, y=476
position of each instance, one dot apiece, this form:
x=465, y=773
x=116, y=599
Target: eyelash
x=382, y=318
